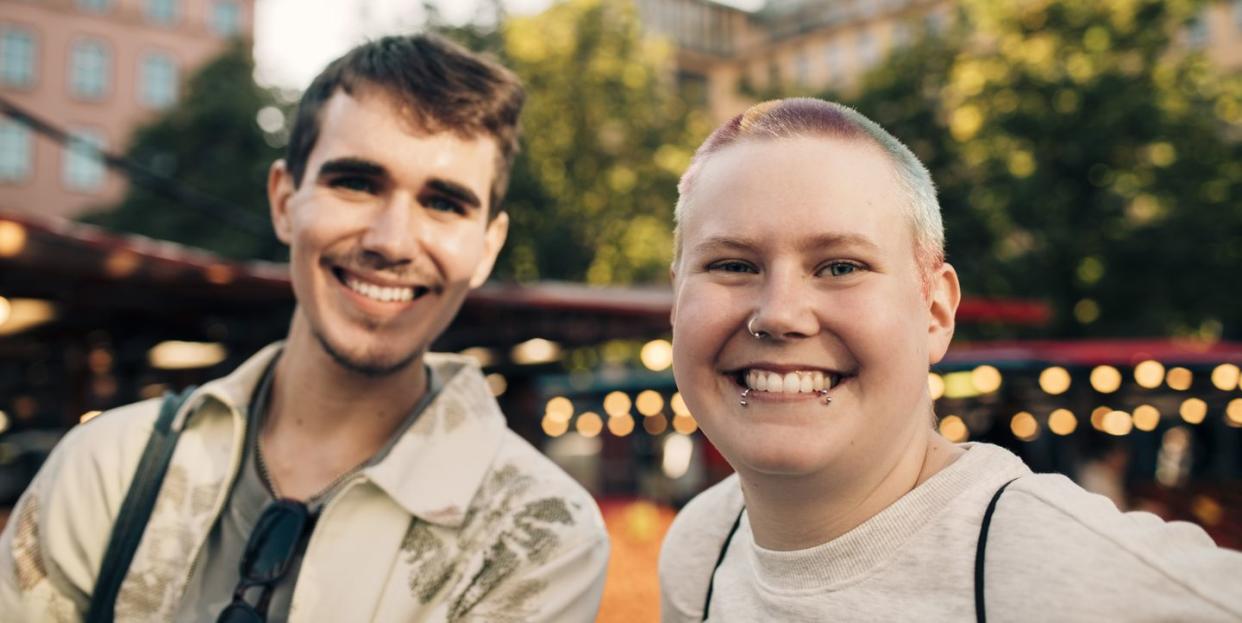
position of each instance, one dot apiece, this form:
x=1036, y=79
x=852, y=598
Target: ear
x=944, y=293
x=672, y=278
x=493, y=240
x=280, y=189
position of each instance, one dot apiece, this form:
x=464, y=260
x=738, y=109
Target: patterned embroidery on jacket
x=504, y=532
x=26, y=554
x=181, y=512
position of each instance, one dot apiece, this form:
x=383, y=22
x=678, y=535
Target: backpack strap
x=131, y=521
x=980, y=612
x=724, y=547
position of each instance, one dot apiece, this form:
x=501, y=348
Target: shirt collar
x=438, y=464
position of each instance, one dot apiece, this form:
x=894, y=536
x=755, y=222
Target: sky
x=294, y=39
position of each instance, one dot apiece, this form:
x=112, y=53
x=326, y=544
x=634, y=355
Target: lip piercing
x=823, y=393
x=745, y=393
x=750, y=328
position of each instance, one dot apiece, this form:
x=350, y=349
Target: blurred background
x=1088, y=157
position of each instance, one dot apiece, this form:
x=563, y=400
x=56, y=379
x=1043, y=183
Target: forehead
x=789, y=188
x=372, y=125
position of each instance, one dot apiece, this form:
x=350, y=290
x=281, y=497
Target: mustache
x=363, y=261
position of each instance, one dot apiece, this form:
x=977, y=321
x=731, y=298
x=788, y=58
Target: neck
x=797, y=512
x=323, y=419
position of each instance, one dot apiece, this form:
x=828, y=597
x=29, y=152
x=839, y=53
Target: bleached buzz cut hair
x=807, y=117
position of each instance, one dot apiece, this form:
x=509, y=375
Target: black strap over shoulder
x=980, y=612
x=131, y=521
x=711, y=581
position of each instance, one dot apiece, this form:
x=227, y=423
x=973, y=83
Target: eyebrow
x=818, y=241
x=455, y=191
x=352, y=166
x=370, y=168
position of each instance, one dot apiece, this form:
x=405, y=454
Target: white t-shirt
x=1054, y=553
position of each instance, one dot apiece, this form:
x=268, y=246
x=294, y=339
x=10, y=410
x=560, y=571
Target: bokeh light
x=1062, y=422
x=1054, y=380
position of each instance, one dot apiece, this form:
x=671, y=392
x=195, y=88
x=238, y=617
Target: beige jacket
x=462, y=521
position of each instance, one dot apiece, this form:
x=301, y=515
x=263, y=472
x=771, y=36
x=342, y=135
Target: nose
x=784, y=310
x=393, y=234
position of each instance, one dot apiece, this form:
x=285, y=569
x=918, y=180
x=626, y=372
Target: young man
x=811, y=297
x=386, y=472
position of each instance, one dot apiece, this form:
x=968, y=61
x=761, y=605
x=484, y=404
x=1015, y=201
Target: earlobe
x=494, y=240
x=279, y=190
x=943, y=297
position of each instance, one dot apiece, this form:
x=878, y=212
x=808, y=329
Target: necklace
x=271, y=483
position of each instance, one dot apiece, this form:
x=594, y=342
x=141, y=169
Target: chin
x=779, y=453
x=375, y=361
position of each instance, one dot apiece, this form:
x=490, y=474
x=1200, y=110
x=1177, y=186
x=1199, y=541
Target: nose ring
x=750, y=328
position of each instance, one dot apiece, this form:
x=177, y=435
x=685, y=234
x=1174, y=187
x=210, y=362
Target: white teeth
x=379, y=293
x=792, y=383
x=801, y=382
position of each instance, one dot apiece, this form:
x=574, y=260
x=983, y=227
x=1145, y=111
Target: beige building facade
x=96, y=69
x=726, y=55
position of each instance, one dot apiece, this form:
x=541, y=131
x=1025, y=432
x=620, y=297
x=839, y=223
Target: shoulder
x=693, y=544
x=538, y=487
x=1048, y=525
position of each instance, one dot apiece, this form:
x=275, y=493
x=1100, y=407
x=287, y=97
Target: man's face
x=810, y=237
x=387, y=232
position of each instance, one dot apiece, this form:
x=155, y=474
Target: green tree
x=210, y=146
x=1084, y=156
x=606, y=138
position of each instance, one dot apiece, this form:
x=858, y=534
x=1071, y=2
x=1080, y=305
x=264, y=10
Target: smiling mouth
x=794, y=382
x=377, y=292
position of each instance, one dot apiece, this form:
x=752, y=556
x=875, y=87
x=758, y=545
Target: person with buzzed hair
x=811, y=296
x=345, y=473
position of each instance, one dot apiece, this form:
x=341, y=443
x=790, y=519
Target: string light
x=1225, y=376
x=1054, y=380
x=987, y=379
x=1024, y=426
x=935, y=385
x=1062, y=422
x=1179, y=379
x=954, y=429
x=1149, y=374
x=1193, y=410
x=1146, y=418
x=1105, y=379
x=589, y=424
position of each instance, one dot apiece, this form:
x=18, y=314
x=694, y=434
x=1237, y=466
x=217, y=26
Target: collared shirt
x=216, y=574
x=462, y=521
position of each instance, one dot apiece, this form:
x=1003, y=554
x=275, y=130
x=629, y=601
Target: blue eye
x=732, y=266
x=443, y=204
x=841, y=269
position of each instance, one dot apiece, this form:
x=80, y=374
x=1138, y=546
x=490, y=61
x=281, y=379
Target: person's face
x=387, y=232
x=809, y=237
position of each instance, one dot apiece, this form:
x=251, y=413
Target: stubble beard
x=369, y=369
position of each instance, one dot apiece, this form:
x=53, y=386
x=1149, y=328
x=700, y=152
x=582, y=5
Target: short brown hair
x=445, y=86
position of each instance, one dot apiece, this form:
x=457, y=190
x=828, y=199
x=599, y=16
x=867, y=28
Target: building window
x=89, y=68
x=15, y=154
x=95, y=6
x=802, y=68
x=161, y=11
x=17, y=58
x=157, y=84
x=225, y=18
x=868, y=52
x=84, y=168
x=832, y=59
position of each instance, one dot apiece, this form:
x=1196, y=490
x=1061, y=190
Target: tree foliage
x=208, y=143
x=606, y=138
x=1084, y=156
